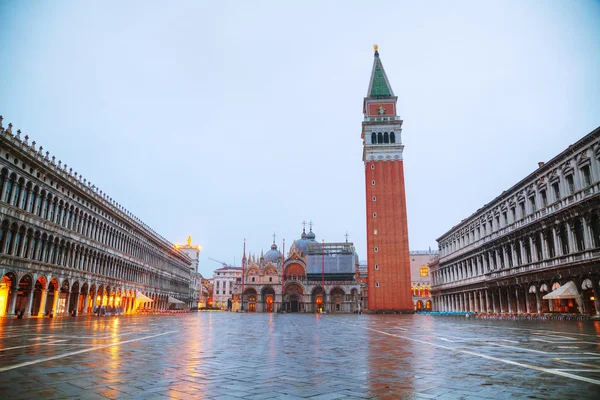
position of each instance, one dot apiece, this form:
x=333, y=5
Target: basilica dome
x=305, y=239
x=273, y=255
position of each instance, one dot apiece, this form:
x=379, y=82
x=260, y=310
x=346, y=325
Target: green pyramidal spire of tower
x=379, y=85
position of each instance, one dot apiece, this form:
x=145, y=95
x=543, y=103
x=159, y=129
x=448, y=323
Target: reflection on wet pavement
x=256, y=356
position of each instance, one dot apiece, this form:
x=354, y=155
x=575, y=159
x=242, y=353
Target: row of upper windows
x=83, y=201
x=28, y=197
x=579, y=179
x=36, y=173
x=565, y=239
x=23, y=242
x=383, y=137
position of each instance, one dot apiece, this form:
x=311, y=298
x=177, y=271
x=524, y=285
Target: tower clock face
x=381, y=110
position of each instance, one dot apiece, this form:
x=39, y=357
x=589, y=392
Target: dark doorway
x=293, y=304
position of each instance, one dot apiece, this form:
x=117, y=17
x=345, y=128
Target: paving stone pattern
x=292, y=356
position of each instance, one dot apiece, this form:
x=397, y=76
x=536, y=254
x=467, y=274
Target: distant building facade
x=224, y=280
x=420, y=279
x=195, y=292
x=540, y=234
x=65, y=246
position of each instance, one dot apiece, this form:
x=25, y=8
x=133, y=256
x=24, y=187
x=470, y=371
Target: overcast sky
x=225, y=120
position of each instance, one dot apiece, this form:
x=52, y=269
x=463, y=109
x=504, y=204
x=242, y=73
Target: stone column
x=67, y=301
x=523, y=254
x=94, y=298
x=572, y=244
x=55, y=301
x=43, y=300
x=527, y=300
x=587, y=237
x=532, y=249
x=487, y=300
x=518, y=303
x=557, y=246
x=481, y=306
x=497, y=257
x=538, y=300
x=13, y=301
x=508, y=302
x=513, y=253
x=500, y=300
x=30, y=303
x=86, y=303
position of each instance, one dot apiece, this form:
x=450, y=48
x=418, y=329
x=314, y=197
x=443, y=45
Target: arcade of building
x=66, y=246
x=538, y=237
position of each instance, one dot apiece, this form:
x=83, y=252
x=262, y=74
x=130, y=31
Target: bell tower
x=388, y=258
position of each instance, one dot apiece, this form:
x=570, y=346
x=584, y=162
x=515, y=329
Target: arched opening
x=578, y=231
x=392, y=137
x=317, y=300
x=74, y=297
x=7, y=285
x=379, y=137
x=51, y=297
x=3, y=235
x=564, y=239
x=63, y=296
x=250, y=299
x=545, y=303
x=531, y=299
x=39, y=297
x=293, y=298
x=293, y=302
x=428, y=305
x=354, y=305
x=295, y=271
x=419, y=305
x=587, y=292
x=83, y=296
x=373, y=138
x=268, y=299
x=336, y=297
x=386, y=137
x=25, y=290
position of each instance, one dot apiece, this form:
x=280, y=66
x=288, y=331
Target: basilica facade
x=313, y=277
x=68, y=248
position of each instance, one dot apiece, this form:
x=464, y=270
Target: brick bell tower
x=388, y=255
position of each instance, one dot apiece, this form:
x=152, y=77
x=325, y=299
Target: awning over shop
x=175, y=301
x=566, y=291
x=140, y=297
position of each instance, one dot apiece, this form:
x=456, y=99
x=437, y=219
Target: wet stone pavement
x=291, y=356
